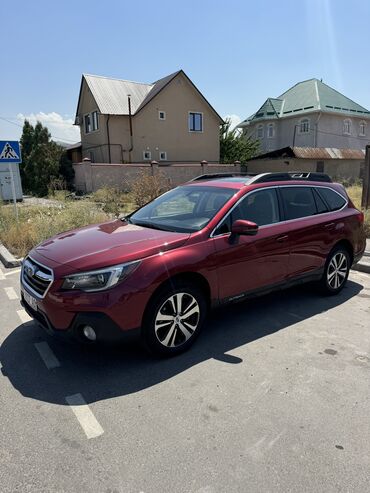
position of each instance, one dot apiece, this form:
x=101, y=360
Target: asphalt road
x=274, y=397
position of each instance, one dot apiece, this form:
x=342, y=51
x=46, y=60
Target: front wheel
x=174, y=318
x=336, y=271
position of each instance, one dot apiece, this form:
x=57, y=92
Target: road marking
x=47, y=355
x=15, y=271
x=23, y=315
x=11, y=294
x=84, y=415
x=2, y=277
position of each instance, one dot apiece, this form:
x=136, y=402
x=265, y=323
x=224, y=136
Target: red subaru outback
x=214, y=240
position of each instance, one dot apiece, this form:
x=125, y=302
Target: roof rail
x=214, y=176
x=293, y=175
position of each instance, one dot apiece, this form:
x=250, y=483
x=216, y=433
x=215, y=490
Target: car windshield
x=183, y=209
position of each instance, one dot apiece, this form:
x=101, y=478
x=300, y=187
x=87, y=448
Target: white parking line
x=47, y=355
x=2, y=277
x=15, y=271
x=11, y=294
x=22, y=314
x=85, y=416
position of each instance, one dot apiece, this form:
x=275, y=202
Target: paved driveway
x=274, y=397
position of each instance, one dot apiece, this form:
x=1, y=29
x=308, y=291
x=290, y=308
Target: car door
x=249, y=263
x=308, y=229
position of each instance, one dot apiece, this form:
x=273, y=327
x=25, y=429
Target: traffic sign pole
x=13, y=191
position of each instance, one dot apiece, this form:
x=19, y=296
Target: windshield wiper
x=152, y=226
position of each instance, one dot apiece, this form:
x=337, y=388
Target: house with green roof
x=309, y=114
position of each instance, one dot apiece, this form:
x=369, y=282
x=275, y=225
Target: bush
x=148, y=187
x=111, y=200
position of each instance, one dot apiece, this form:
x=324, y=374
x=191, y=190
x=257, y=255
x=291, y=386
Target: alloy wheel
x=337, y=270
x=177, y=319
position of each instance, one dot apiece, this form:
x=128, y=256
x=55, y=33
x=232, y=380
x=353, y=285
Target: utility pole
x=365, y=200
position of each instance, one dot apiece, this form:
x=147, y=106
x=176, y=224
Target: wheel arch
x=347, y=245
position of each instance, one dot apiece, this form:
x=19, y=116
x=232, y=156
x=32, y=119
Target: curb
x=7, y=258
x=363, y=265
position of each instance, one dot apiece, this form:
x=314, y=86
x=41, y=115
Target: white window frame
x=260, y=126
x=362, y=131
x=348, y=122
x=147, y=158
x=196, y=113
x=304, y=126
x=165, y=155
x=95, y=120
x=271, y=126
x=159, y=115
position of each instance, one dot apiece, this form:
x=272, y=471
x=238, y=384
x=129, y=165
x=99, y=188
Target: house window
x=362, y=129
x=270, y=130
x=87, y=120
x=195, y=122
x=347, y=127
x=163, y=156
x=304, y=126
x=162, y=115
x=260, y=131
x=95, y=120
x=147, y=155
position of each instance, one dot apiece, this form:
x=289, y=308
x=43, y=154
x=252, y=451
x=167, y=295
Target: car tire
x=174, y=318
x=336, y=271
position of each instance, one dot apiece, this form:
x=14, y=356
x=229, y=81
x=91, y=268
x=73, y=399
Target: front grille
x=36, y=277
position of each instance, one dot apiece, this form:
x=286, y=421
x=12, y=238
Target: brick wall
x=89, y=177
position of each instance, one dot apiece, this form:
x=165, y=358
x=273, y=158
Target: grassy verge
x=38, y=222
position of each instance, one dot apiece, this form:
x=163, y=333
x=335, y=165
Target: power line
x=21, y=126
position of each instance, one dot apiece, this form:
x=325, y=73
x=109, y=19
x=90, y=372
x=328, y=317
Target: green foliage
x=43, y=161
x=235, y=147
x=111, y=200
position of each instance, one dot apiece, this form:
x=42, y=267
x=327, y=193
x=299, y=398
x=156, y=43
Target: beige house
x=130, y=122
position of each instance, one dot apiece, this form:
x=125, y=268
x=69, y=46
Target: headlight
x=99, y=280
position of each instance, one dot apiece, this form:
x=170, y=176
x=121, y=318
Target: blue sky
x=237, y=52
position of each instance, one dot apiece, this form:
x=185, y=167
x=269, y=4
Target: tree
x=235, y=147
x=42, y=160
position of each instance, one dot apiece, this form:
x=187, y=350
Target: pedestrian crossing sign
x=10, y=151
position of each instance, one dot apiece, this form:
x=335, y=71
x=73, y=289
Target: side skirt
x=303, y=279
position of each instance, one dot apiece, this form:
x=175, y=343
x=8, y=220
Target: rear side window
x=298, y=202
x=320, y=204
x=333, y=199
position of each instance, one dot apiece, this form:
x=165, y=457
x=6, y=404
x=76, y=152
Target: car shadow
x=101, y=372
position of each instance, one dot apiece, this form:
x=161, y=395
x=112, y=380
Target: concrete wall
x=326, y=130
x=89, y=177
x=341, y=169
x=151, y=134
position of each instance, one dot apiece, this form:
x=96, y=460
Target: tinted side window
x=260, y=207
x=298, y=202
x=320, y=204
x=334, y=200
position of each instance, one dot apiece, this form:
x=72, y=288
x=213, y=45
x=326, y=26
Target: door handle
x=282, y=238
x=329, y=226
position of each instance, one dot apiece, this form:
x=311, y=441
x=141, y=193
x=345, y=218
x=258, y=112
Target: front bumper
x=105, y=328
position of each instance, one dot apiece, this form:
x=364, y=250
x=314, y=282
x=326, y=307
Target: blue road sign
x=10, y=151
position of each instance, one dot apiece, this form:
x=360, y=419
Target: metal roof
x=317, y=153
x=306, y=97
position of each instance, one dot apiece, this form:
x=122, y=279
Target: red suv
x=214, y=240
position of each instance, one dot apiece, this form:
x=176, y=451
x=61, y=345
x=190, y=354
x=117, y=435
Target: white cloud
x=61, y=128
x=235, y=120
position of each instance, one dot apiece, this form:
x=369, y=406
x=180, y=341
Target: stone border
x=7, y=258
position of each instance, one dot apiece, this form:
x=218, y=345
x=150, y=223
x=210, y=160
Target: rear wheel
x=336, y=271
x=174, y=318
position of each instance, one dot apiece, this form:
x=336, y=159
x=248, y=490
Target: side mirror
x=243, y=227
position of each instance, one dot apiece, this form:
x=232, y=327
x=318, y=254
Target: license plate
x=30, y=300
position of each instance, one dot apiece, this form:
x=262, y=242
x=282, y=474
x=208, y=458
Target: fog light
x=89, y=333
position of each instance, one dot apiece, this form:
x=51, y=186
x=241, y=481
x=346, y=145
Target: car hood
x=106, y=244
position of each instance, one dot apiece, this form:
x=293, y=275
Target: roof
x=321, y=153
x=111, y=95
x=306, y=97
